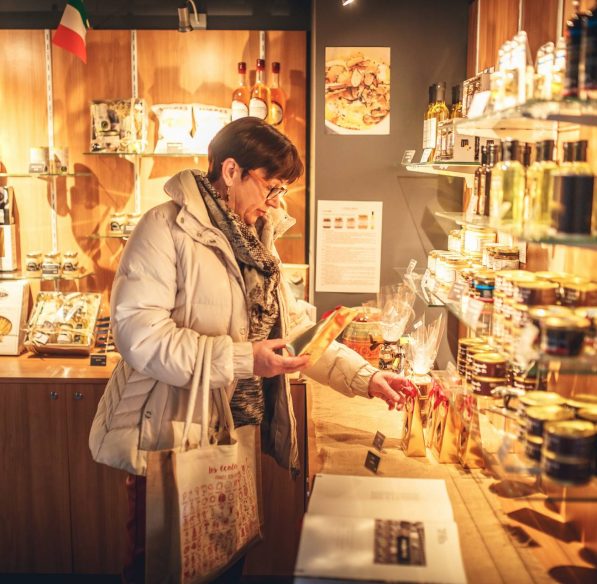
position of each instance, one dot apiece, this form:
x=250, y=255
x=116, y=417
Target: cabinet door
x=284, y=506
x=34, y=507
x=97, y=492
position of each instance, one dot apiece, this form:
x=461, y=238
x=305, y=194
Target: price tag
x=41, y=338
x=379, y=440
x=372, y=461
x=98, y=359
x=457, y=290
x=408, y=156
x=475, y=309
x=478, y=104
x=417, y=325
x=426, y=155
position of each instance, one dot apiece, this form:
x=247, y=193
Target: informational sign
x=348, y=246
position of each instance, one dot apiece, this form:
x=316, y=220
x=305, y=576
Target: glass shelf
x=101, y=236
x=79, y=275
x=148, y=154
x=447, y=168
x=532, y=121
x=42, y=174
x=568, y=239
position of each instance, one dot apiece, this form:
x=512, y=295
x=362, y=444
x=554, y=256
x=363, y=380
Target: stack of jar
x=560, y=434
x=562, y=306
x=52, y=264
x=123, y=224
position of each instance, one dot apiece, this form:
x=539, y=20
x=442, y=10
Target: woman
x=204, y=263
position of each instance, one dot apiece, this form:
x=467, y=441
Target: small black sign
x=98, y=359
x=378, y=441
x=372, y=461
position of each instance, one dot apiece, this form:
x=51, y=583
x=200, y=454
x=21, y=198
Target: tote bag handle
x=200, y=368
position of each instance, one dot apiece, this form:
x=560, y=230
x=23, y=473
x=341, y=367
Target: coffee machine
x=8, y=238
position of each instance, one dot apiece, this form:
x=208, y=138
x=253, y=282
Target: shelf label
x=426, y=155
x=372, y=461
x=478, y=104
x=408, y=156
x=378, y=440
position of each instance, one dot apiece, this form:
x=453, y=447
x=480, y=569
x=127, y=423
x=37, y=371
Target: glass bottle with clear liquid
x=540, y=187
x=507, y=185
x=520, y=204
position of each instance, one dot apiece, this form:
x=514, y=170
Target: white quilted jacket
x=178, y=279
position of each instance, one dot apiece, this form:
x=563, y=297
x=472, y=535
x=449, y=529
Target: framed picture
x=357, y=90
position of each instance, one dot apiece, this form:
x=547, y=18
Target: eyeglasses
x=273, y=192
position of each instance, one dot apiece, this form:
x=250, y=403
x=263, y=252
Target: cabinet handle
x=54, y=395
x=78, y=395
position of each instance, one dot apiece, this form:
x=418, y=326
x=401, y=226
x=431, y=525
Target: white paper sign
x=348, y=246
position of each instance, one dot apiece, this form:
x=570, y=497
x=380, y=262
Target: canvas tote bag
x=202, y=503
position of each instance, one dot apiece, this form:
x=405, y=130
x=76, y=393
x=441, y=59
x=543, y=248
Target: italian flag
x=70, y=34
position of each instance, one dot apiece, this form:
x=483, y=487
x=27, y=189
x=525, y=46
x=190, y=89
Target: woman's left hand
x=387, y=385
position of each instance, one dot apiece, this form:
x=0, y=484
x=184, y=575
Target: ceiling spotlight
x=186, y=22
x=347, y=2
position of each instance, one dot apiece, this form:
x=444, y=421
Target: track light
x=186, y=22
x=347, y=2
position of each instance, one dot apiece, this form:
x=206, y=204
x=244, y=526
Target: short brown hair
x=254, y=144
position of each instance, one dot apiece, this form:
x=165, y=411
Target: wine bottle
x=240, y=96
x=278, y=98
x=259, y=103
x=507, y=184
x=574, y=34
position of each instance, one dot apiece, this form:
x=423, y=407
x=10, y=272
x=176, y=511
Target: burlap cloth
x=341, y=433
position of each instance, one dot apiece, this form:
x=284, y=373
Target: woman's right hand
x=268, y=363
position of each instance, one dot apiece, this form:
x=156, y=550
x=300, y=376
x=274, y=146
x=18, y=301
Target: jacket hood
x=182, y=189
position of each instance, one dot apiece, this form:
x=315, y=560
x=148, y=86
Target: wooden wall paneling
x=539, y=20
x=23, y=124
x=34, y=496
x=499, y=22
x=98, y=498
x=471, y=47
x=86, y=203
x=209, y=76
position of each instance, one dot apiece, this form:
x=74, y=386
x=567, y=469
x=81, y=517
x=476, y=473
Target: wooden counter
x=37, y=368
x=505, y=538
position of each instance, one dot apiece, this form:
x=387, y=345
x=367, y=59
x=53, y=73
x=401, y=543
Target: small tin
x=557, y=277
x=70, y=261
x=566, y=470
x=537, y=416
x=506, y=258
x=536, y=293
x=588, y=414
x=485, y=385
x=484, y=285
x=51, y=264
x=563, y=336
x=579, y=294
x=570, y=438
x=538, y=313
x=33, y=263
x=532, y=447
x=472, y=351
x=525, y=383
x=581, y=401
x=117, y=221
x=489, y=365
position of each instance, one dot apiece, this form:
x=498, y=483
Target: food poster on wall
x=348, y=246
x=357, y=90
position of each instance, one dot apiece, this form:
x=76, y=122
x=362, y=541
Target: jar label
x=239, y=110
x=276, y=113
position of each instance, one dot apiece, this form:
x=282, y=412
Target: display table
x=502, y=539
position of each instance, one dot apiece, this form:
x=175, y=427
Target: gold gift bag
x=445, y=432
x=433, y=401
x=413, y=442
x=470, y=454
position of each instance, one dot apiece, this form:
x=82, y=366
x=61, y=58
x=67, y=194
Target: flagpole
x=135, y=90
x=50, y=111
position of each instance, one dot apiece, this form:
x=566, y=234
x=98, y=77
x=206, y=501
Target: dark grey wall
x=428, y=43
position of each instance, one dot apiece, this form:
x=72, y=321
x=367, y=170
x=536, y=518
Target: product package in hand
x=316, y=339
x=63, y=323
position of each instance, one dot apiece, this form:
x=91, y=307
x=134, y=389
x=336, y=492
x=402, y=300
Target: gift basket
x=63, y=323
